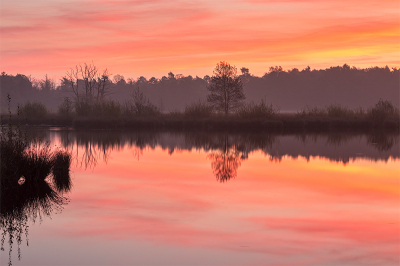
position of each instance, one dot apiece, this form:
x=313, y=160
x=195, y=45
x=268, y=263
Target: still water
x=159, y=198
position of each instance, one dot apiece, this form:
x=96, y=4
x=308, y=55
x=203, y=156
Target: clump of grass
x=257, y=110
x=34, y=162
x=37, y=162
x=33, y=110
x=198, y=110
x=382, y=111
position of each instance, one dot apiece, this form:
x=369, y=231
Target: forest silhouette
x=289, y=90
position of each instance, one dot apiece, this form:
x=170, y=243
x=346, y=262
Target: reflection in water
x=37, y=193
x=225, y=164
x=226, y=149
x=225, y=159
x=381, y=141
x=169, y=209
x=23, y=203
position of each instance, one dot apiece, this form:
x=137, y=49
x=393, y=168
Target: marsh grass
x=198, y=110
x=139, y=113
x=257, y=110
x=332, y=111
x=146, y=109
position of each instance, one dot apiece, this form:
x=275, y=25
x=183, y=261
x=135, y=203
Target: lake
x=187, y=198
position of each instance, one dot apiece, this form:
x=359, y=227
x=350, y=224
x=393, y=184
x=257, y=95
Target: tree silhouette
x=226, y=88
x=88, y=78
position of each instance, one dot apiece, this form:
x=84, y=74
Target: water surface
x=159, y=198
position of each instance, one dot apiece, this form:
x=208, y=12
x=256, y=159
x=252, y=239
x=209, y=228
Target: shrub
x=33, y=110
x=198, y=109
x=66, y=108
x=83, y=108
x=260, y=110
x=99, y=109
x=382, y=110
x=140, y=105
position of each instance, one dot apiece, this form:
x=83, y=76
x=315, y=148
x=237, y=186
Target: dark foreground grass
x=32, y=176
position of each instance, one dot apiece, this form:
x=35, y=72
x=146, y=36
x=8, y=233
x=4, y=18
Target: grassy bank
x=200, y=116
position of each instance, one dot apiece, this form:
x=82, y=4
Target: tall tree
x=226, y=88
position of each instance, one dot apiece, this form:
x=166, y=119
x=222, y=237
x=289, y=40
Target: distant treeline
x=290, y=90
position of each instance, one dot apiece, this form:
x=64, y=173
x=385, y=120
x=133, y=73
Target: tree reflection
x=225, y=164
x=225, y=161
x=382, y=141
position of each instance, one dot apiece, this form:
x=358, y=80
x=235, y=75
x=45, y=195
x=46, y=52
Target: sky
x=151, y=38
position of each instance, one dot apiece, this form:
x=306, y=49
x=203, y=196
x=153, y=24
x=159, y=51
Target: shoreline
x=279, y=123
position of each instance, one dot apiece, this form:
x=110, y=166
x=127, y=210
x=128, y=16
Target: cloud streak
x=143, y=38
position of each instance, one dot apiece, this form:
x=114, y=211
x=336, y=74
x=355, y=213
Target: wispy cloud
x=188, y=35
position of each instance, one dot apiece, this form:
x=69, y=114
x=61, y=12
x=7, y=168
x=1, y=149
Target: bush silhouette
x=382, y=111
x=33, y=110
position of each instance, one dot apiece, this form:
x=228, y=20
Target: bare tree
x=87, y=83
x=226, y=88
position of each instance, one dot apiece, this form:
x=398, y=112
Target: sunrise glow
x=151, y=38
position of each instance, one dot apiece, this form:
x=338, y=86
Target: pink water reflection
x=170, y=210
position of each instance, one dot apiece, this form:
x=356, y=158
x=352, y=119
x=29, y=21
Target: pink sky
x=151, y=38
